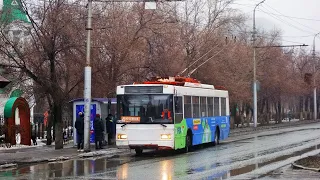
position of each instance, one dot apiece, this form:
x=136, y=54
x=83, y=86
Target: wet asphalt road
x=259, y=156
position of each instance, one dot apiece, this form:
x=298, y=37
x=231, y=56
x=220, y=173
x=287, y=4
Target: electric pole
x=314, y=78
x=255, y=101
x=87, y=83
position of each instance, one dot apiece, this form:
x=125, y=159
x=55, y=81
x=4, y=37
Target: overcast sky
x=299, y=20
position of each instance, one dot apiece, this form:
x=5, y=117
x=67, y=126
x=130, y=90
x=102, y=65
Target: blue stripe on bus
x=204, y=129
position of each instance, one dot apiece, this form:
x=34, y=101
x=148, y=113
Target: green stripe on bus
x=180, y=132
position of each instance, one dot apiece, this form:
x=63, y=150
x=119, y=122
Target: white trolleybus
x=171, y=113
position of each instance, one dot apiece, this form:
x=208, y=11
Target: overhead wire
x=197, y=60
x=277, y=14
x=288, y=23
x=189, y=74
x=292, y=18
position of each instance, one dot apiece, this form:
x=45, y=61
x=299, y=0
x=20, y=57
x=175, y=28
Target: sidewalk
x=271, y=126
x=36, y=154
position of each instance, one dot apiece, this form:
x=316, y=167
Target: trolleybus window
x=223, y=107
x=216, y=106
x=187, y=107
x=203, y=106
x=178, y=109
x=195, y=106
x=210, y=106
x=145, y=108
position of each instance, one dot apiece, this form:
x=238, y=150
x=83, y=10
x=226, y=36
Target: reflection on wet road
x=250, y=158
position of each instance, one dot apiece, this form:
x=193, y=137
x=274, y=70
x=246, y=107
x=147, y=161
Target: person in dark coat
x=79, y=125
x=98, y=131
x=34, y=135
x=111, y=129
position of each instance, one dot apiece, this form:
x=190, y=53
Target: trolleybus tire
x=216, y=137
x=188, y=147
x=138, y=151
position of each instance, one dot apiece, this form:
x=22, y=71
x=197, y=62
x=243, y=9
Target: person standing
x=110, y=128
x=98, y=131
x=34, y=135
x=79, y=125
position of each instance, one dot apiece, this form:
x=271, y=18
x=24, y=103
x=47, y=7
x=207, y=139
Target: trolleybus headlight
x=122, y=136
x=165, y=136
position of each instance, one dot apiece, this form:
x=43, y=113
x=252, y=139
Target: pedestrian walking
x=79, y=125
x=98, y=131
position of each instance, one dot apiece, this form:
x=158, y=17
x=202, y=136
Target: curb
x=249, y=130
x=294, y=165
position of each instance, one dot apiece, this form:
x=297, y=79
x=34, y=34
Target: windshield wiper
x=163, y=125
x=124, y=125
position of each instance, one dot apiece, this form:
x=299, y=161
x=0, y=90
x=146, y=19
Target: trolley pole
x=255, y=101
x=87, y=83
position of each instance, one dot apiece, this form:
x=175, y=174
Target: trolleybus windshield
x=145, y=108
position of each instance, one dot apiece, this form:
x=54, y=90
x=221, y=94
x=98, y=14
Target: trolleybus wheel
x=138, y=151
x=216, y=137
x=188, y=143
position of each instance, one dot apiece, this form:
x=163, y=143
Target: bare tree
x=51, y=54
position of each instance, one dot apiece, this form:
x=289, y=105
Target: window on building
x=195, y=106
x=210, y=106
x=203, y=107
x=216, y=106
x=187, y=107
x=223, y=107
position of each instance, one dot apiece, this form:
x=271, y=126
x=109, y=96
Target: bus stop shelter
x=102, y=106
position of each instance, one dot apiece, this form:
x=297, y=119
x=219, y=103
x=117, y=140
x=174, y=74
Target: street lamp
x=314, y=78
x=255, y=103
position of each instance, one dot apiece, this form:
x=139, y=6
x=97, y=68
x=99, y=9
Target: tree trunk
x=261, y=112
x=54, y=131
x=279, y=111
x=57, y=110
x=268, y=112
x=308, y=106
x=301, y=108
x=49, y=135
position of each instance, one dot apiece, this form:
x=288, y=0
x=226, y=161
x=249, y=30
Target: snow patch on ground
x=20, y=146
x=61, y=158
x=110, y=151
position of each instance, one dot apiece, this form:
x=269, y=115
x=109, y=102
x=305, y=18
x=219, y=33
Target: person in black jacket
x=98, y=131
x=111, y=128
x=79, y=125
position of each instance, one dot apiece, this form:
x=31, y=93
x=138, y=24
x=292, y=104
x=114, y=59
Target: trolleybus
x=171, y=113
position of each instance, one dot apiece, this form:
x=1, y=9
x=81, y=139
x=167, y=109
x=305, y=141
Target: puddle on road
x=248, y=168
x=78, y=167
x=118, y=167
x=251, y=167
